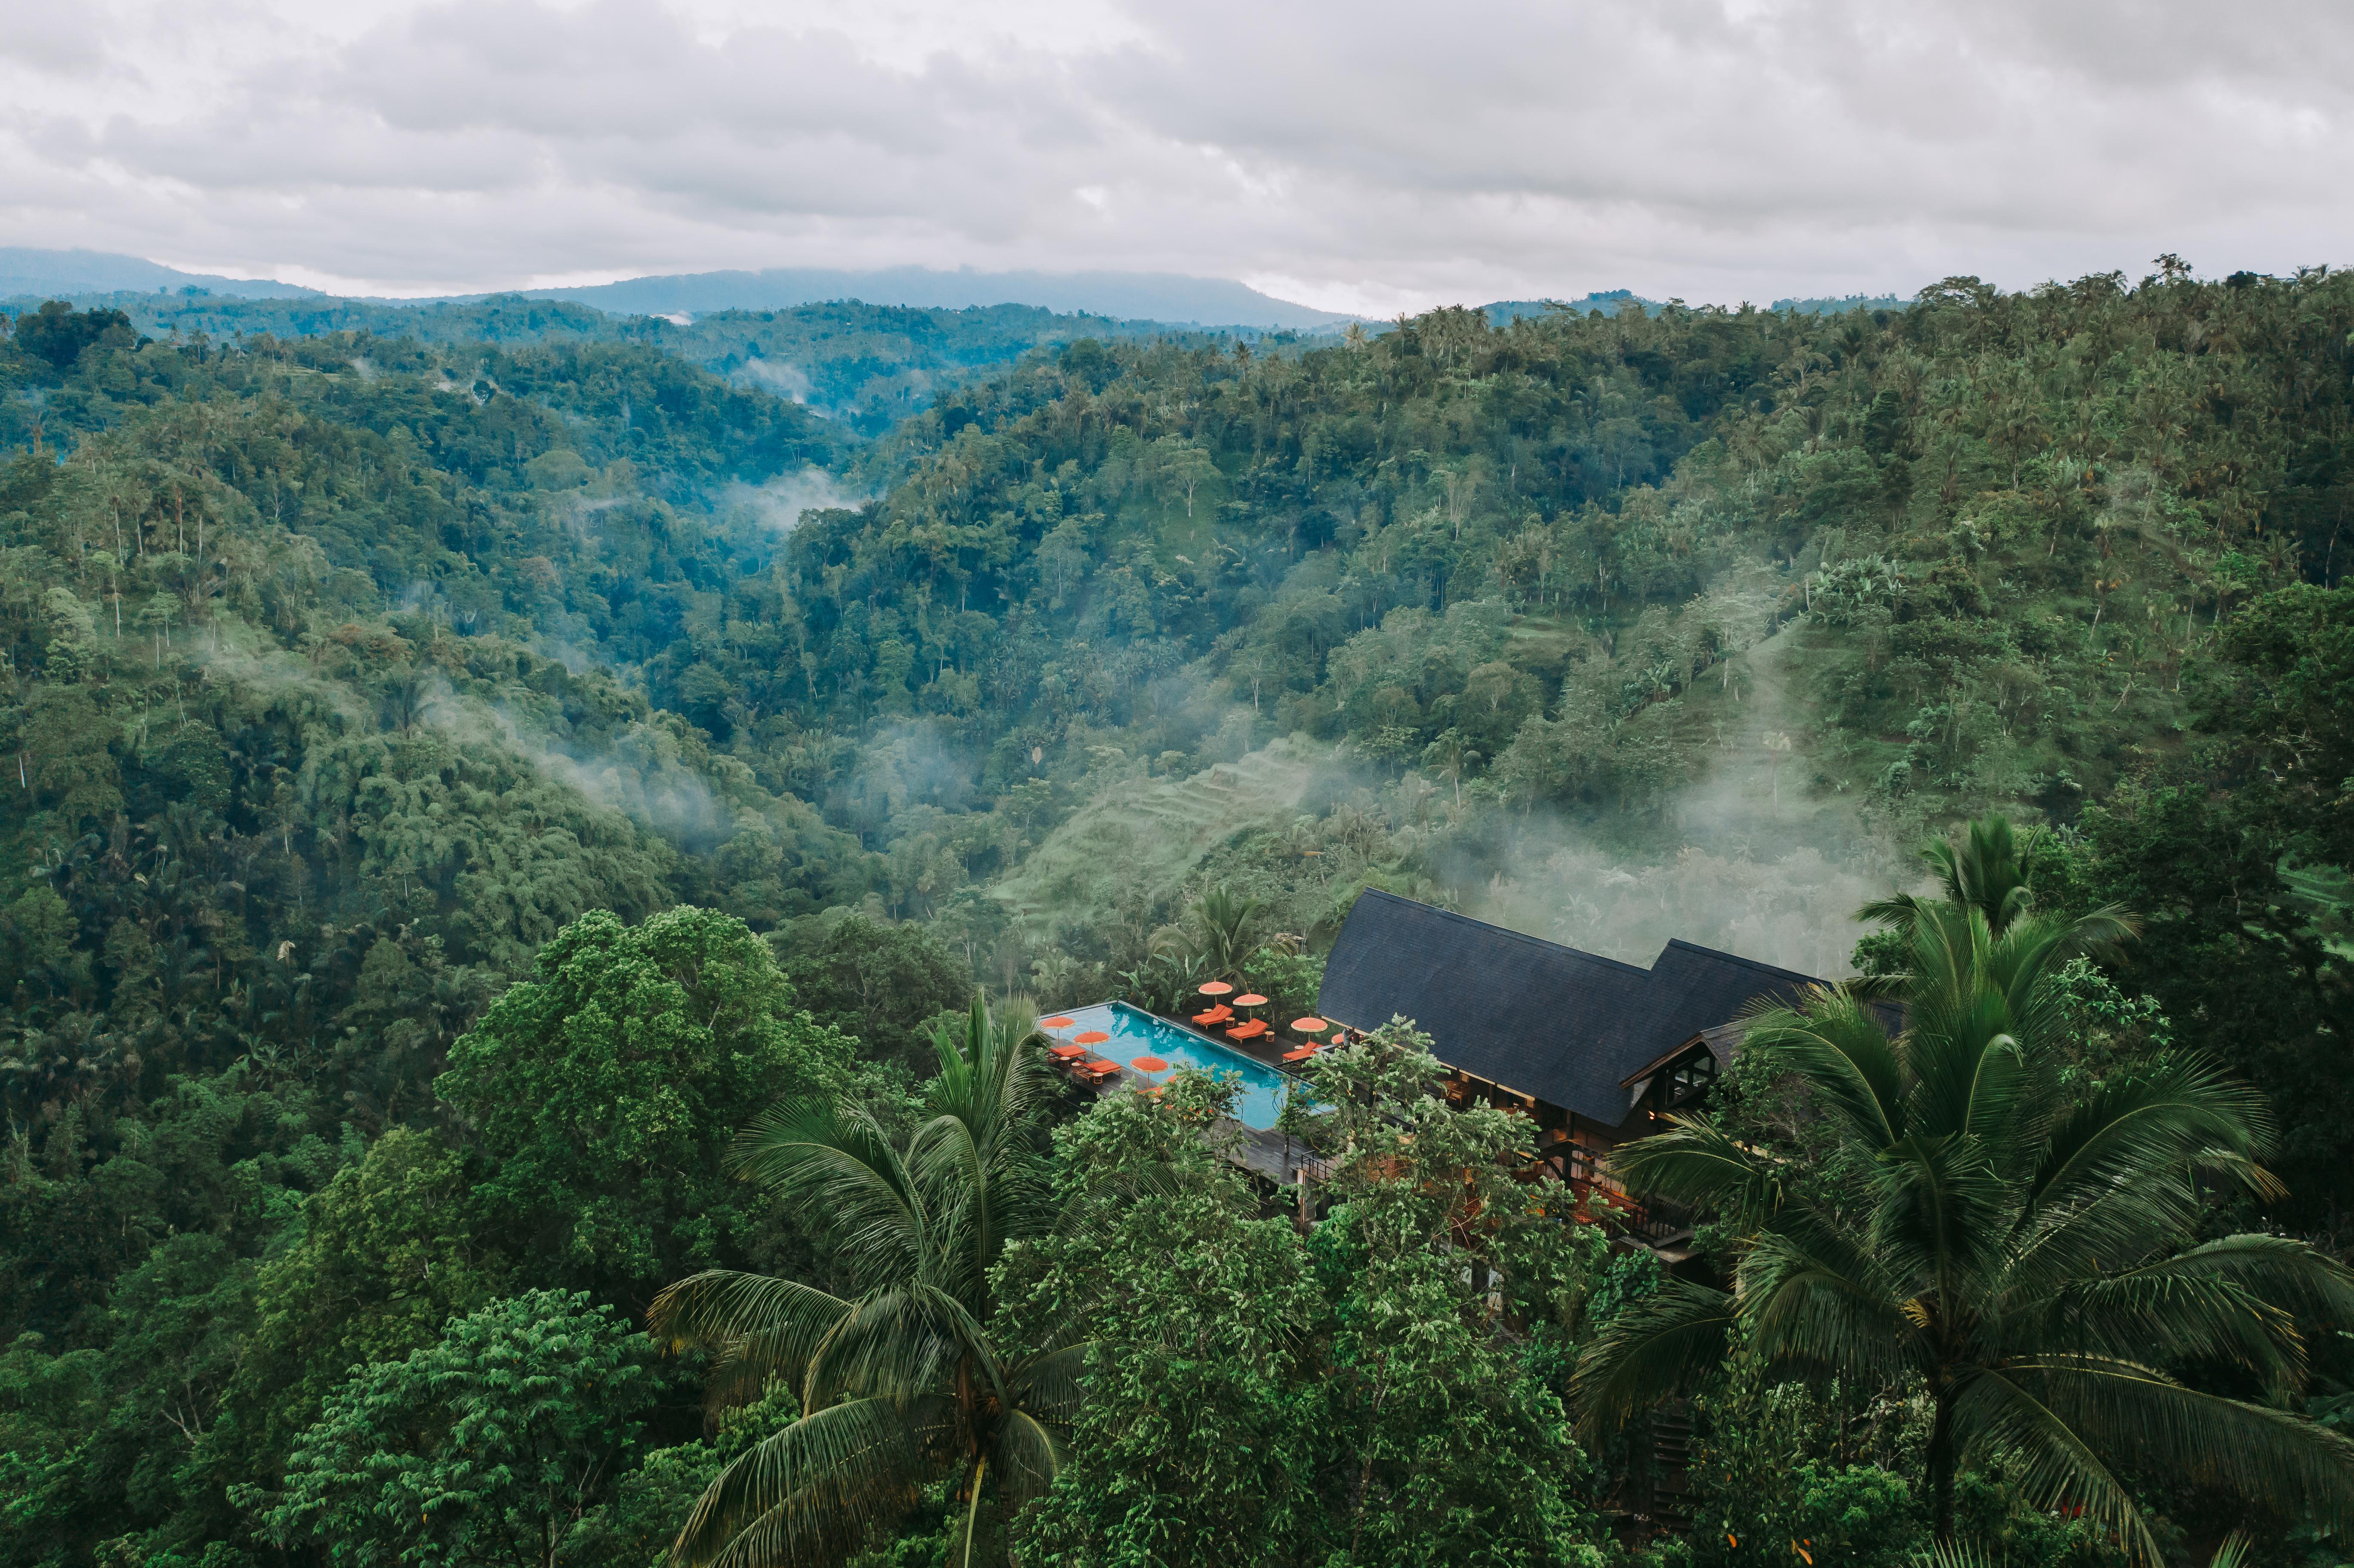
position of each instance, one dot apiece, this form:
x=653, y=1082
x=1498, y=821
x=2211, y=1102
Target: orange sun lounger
x=1248, y=1030
x=1217, y=1014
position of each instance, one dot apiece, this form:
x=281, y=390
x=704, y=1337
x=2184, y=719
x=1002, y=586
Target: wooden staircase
x=1670, y=1466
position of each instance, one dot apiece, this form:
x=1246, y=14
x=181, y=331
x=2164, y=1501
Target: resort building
x=1592, y=1050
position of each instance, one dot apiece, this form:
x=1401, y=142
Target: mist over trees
x=458, y=783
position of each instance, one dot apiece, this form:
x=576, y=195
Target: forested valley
x=489, y=787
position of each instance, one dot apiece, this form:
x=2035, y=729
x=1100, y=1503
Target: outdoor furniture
x=1250, y=999
x=1302, y=1053
x=1214, y=988
x=1150, y=1064
x=1308, y=1027
x=1066, y=1052
x=1217, y=1014
x=1251, y=1030
x=1057, y=1022
x=1099, y=1070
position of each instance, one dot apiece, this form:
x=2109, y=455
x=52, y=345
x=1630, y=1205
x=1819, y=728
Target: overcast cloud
x=1367, y=155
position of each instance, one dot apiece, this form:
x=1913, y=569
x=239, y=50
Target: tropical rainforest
x=536, y=838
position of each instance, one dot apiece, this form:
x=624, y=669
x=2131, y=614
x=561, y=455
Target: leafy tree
x=902, y=1382
x=58, y=334
x=390, y=1251
x=489, y=1446
x=1450, y=1445
x=1202, y=1433
x=867, y=978
x=2024, y=1250
x=603, y=1093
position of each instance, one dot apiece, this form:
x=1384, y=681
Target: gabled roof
x=1549, y=1021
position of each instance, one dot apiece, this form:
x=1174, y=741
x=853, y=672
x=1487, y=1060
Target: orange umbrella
x=1092, y=1037
x=1252, y=999
x=1308, y=1025
x=1150, y=1064
x=1215, y=988
x=1055, y=1022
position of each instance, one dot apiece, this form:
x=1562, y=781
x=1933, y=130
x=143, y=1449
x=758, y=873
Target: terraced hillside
x=1150, y=833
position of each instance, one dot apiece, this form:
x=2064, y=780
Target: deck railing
x=1587, y=1173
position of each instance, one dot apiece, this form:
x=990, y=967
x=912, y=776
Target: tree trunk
x=972, y=1513
x=1941, y=1465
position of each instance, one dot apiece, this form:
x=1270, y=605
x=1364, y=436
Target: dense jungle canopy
x=469, y=763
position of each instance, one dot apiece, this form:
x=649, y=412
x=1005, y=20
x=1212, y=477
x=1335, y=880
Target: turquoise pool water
x=1135, y=1032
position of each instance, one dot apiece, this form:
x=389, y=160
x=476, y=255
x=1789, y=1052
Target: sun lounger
x=1248, y=1031
x=1218, y=1015
x=1302, y=1053
x=1099, y=1070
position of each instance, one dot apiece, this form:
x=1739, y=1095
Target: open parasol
x=1250, y=999
x=1150, y=1064
x=1215, y=988
x=1308, y=1025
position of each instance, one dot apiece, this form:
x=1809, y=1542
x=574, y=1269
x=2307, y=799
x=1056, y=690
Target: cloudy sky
x=1369, y=155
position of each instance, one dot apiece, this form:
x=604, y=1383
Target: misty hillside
x=865, y=367
x=928, y=651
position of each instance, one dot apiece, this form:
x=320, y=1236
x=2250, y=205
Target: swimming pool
x=1135, y=1032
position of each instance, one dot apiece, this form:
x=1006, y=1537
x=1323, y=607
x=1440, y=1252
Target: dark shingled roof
x=1549, y=1021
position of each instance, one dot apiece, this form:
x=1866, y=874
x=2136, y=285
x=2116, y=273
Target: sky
x=1371, y=156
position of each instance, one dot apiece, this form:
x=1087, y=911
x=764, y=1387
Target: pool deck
x=1265, y=1153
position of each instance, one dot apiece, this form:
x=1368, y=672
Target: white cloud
x=1368, y=155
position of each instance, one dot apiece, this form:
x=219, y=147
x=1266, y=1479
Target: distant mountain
x=1170, y=297
x=29, y=271
x=1135, y=296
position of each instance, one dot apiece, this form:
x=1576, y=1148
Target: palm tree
x=2010, y=1246
x=1224, y=920
x=900, y=1382
x=1988, y=872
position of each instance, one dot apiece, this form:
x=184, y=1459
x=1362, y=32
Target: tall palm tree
x=900, y=1381
x=2012, y=1246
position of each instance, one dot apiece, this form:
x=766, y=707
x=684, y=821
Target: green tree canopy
x=604, y=1092
x=485, y=1450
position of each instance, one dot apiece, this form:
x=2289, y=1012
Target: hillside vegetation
x=865, y=367
x=350, y=675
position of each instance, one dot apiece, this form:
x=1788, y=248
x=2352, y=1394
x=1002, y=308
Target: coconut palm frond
x=807, y=1494
x=1654, y=1348
x=1837, y=1045
x=766, y=1326
x=1696, y=1161
x=2236, y=1299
